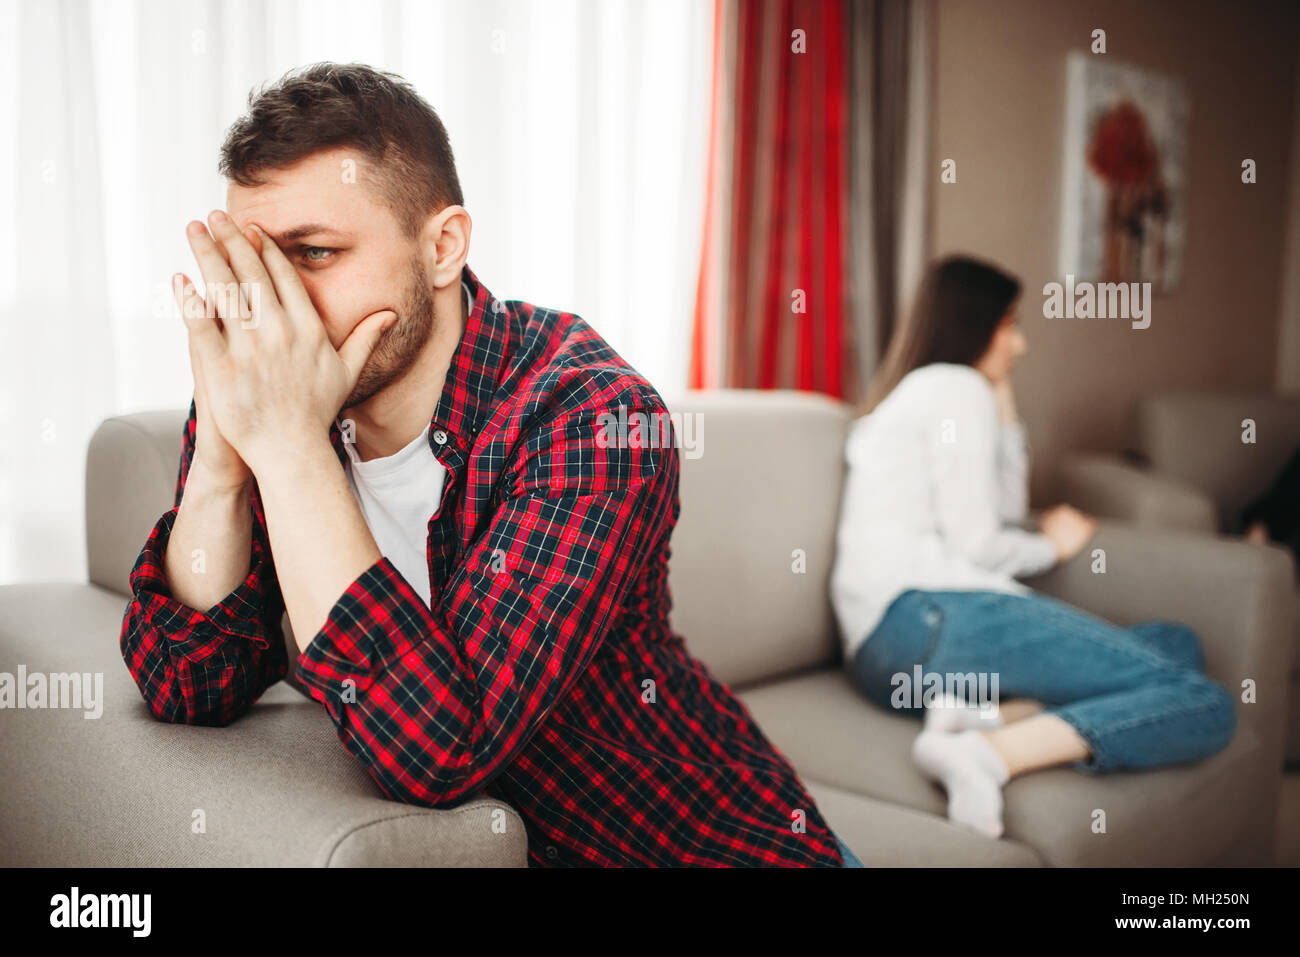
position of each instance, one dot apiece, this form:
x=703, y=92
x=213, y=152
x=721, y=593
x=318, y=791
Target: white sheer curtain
x=579, y=128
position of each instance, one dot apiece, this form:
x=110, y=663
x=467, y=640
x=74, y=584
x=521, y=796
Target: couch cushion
x=276, y=787
x=890, y=835
x=753, y=547
x=1170, y=817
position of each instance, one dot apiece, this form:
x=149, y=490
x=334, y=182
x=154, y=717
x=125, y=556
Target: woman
x=924, y=581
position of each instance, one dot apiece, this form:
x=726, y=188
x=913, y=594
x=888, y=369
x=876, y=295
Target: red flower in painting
x=1121, y=151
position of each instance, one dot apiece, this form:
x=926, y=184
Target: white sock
x=972, y=773
x=951, y=713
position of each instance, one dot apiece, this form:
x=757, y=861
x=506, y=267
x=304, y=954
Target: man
x=423, y=477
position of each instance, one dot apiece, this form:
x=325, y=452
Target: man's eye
x=316, y=254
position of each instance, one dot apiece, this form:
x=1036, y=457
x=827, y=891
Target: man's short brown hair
x=328, y=105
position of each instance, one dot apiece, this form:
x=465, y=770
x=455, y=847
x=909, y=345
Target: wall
x=999, y=112
x=1288, y=350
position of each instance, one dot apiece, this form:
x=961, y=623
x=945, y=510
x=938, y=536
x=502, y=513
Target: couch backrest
x=131, y=469
x=753, y=548
x=1197, y=437
x=752, y=551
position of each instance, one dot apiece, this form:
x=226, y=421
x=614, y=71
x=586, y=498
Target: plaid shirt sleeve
x=436, y=702
x=196, y=667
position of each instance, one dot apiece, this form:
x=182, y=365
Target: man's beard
x=398, y=347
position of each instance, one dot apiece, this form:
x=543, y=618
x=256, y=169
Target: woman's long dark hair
x=956, y=311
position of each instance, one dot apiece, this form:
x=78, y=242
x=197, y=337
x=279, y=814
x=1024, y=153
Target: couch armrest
x=1106, y=486
x=1196, y=437
x=1238, y=597
x=274, y=788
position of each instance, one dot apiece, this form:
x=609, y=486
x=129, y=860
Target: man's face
x=352, y=254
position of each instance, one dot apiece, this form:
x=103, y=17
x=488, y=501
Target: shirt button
x=551, y=852
x=440, y=436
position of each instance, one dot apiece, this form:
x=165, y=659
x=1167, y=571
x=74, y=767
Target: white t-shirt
x=934, y=485
x=398, y=494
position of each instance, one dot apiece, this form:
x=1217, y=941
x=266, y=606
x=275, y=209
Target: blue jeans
x=1138, y=695
x=850, y=859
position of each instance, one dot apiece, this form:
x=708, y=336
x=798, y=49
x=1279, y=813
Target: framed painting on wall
x=1124, y=209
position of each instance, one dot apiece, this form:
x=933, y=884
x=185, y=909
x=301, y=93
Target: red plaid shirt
x=548, y=560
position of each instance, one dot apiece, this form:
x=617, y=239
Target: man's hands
x=267, y=383
x=212, y=453
x=266, y=377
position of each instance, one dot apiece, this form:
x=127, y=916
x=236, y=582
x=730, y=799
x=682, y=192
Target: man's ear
x=444, y=245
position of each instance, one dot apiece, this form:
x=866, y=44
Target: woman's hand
x=1006, y=401
x=1069, y=530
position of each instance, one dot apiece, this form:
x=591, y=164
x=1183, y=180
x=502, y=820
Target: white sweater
x=934, y=482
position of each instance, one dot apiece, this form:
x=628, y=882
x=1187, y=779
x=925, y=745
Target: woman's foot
x=951, y=713
x=972, y=773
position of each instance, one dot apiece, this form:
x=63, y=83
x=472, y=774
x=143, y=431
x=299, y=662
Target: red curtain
x=771, y=303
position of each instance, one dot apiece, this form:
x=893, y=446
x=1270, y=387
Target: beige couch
x=275, y=787
x=1191, y=470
